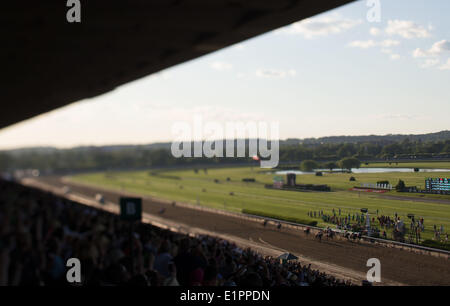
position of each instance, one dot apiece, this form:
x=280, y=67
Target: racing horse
x=330, y=233
x=307, y=230
x=353, y=236
x=319, y=236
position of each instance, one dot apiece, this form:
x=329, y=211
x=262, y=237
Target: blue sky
x=334, y=74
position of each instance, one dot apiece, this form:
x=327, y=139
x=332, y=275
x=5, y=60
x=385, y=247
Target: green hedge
x=279, y=217
x=435, y=244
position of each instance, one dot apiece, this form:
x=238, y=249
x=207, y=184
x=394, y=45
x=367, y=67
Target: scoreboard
x=437, y=184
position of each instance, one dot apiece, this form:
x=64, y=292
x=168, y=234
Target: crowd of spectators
x=39, y=232
x=439, y=234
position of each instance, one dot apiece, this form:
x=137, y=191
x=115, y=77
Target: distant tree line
x=347, y=163
x=133, y=157
x=365, y=150
x=382, y=139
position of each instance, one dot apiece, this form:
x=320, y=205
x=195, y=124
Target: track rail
x=365, y=238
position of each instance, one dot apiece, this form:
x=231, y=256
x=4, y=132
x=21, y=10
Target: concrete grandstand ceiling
x=49, y=63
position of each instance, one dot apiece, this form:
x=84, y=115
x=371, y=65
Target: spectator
x=40, y=231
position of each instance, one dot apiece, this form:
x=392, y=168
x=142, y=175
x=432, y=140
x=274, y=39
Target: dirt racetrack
x=398, y=267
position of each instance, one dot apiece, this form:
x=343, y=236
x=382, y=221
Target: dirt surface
x=339, y=257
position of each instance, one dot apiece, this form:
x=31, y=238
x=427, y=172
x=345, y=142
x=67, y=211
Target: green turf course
x=188, y=186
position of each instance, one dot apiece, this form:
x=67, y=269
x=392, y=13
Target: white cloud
x=436, y=49
x=419, y=53
x=446, y=66
x=440, y=47
x=433, y=55
x=320, y=26
x=406, y=29
x=221, y=66
x=363, y=44
x=428, y=63
x=389, y=43
x=272, y=73
x=375, y=31
x=385, y=46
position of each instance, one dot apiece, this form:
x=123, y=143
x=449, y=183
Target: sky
x=337, y=73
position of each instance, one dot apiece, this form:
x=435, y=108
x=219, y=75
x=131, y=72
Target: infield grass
x=200, y=188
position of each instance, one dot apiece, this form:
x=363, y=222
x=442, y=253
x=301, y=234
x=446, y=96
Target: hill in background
x=379, y=139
